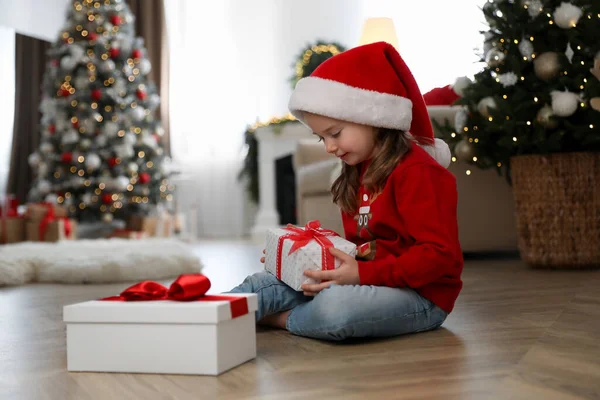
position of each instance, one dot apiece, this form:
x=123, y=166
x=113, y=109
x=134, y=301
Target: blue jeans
x=344, y=311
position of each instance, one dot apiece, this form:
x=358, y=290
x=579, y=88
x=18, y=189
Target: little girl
x=398, y=205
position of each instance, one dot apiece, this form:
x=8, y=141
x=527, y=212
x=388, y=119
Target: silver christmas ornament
x=81, y=82
x=130, y=139
x=110, y=129
x=564, y=104
x=544, y=117
x=44, y=187
x=508, y=79
x=145, y=66
x=85, y=144
x=90, y=125
x=569, y=53
x=46, y=147
x=138, y=113
x=77, y=52
x=534, y=7
x=464, y=150
x=68, y=63
x=460, y=121
x=86, y=198
x=70, y=137
x=494, y=58
x=101, y=140
x=42, y=170
x=567, y=15
x=485, y=105
x=120, y=183
x=34, y=160
x=108, y=66
x=546, y=65
x=526, y=49
x=92, y=161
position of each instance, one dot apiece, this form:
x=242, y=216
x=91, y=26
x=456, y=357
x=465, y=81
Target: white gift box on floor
x=307, y=257
x=164, y=337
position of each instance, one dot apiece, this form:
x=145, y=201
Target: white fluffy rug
x=96, y=261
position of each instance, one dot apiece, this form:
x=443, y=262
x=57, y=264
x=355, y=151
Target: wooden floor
x=516, y=333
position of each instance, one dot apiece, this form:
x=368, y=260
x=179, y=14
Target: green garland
x=308, y=60
x=311, y=57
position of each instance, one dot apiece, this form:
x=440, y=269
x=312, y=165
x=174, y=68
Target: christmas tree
x=539, y=91
x=101, y=152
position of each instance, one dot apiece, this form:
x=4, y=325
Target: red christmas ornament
x=156, y=137
x=96, y=94
x=64, y=93
x=112, y=162
x=115, y=20
x=144, y=178
x=141, y=94
x=107, y=198
x=54, y=63
x=137, y=53
x=92, y=36
x=75, y=124
x=114, y=52
x=67, y=157
x=52, y=129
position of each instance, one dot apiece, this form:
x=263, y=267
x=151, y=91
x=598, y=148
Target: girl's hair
x=393, y=145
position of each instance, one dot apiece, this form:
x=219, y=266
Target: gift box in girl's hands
x=291, y=251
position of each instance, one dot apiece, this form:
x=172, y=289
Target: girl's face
x=353, y=143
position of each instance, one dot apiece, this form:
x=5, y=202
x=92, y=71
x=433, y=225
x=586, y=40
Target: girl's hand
x=262, y=259
x=346, y=274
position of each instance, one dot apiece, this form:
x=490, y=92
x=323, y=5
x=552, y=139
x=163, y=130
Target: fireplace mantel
x=273, y=144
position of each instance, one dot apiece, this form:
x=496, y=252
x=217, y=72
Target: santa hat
x=369, y=85
x=447, y=95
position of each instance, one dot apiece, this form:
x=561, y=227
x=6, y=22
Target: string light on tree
x=520, y=108
x=88, y=105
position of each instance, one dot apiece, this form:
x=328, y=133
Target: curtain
x=150, y=24
x=30, y=64
x=211, y=103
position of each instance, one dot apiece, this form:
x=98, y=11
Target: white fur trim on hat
x=440, y=152
x=337, y=100
x=460, y=84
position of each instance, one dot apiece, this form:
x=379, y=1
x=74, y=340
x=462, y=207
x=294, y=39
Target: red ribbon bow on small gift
x=187, y=287
x=301, y=237
x=8, y=211
x=51, y=217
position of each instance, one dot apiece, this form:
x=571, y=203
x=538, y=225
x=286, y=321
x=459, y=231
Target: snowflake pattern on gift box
x=306, y=258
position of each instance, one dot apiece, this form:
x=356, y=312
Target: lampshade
x=378, y=30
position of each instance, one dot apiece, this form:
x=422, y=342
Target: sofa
x=486, y=218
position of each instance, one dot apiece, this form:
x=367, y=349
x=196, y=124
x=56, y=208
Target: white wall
x=436, y=38
x=38, y=18
x=303, y=22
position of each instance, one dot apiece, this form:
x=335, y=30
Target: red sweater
x=407, y=235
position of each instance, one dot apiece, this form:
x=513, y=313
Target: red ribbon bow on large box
x=301, y=237
x=187, y=287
